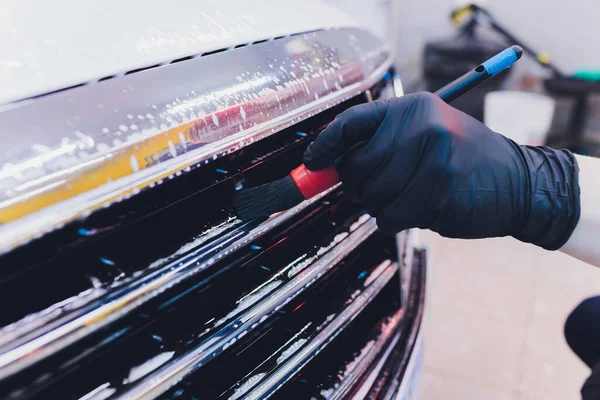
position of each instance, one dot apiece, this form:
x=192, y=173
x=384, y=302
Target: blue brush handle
x=501, y=61
x=489, y=68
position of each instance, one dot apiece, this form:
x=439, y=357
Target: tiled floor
x=493, y=328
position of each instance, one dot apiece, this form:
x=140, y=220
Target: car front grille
x=165, y=293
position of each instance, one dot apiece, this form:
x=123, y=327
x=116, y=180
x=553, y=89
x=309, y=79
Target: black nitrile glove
x=416, y=162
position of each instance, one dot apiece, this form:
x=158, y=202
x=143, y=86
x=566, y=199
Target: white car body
x=48, y=46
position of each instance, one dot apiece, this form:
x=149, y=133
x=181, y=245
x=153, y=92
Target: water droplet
x=106, y=261
x=172, y=149
x=86, y=232
x=96, y=283
x=133, y=162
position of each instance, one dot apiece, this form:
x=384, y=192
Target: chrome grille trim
x=86, y=148
x=329, y=333
x=372, y=362
x=157, y=383
x=38, y=338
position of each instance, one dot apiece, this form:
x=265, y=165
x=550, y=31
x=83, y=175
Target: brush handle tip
x=518, y=51
x=502, y=60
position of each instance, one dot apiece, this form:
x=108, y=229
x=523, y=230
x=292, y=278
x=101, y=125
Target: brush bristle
x=267, y=199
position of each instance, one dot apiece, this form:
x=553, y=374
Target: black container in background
x=446, y=60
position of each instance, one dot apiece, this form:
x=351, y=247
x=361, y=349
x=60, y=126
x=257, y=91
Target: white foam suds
x=246, y=386
x=290, y=350
x=133, y=162
x=329, y=318
x=229, y=344
x=325, y=249
x=350, y=367
x=148, y=366
x=96, y=283
x=172, y=149
x=204, y=236
x=250, y=300
x=363, y=218
x=365, y=350
x=339, y=237
x=300, y=266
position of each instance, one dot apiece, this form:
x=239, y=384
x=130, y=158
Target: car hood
x=49, y=47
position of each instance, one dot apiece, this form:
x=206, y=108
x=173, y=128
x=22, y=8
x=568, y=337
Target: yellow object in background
x=544, y=57
x=460, y=14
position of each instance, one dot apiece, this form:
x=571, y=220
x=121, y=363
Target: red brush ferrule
x=311, y=183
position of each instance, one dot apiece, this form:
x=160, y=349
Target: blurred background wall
x=567, y=29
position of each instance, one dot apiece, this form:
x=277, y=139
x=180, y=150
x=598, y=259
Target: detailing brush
x=302, y=184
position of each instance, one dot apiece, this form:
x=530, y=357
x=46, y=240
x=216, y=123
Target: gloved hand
x=415, y=161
